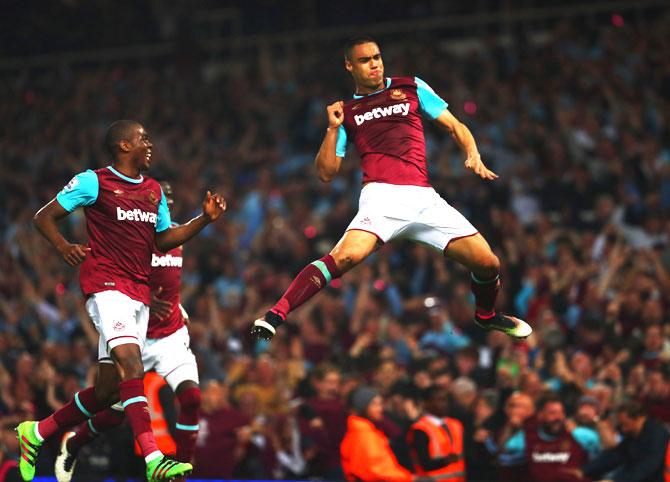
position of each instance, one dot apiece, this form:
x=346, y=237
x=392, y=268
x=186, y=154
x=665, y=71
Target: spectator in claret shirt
x=224, y=434
x=656, y=395
x=327, y=418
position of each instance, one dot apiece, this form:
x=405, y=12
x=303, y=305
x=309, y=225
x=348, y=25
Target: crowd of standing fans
x=576, y=126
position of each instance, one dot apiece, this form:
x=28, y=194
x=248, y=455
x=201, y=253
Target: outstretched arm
x=327, y=161
x=212, y=207
x=45, y=222
x=466, y=142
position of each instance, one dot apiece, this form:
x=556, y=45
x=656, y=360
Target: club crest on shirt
x=397, y=94
x=119, y=325
x=153, y=199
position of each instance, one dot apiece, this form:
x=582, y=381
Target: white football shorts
x=172, y=358
x=118, y=319
x=416, y=213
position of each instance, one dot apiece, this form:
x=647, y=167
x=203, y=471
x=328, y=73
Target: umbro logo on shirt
x=377, y=112
x=136, y=215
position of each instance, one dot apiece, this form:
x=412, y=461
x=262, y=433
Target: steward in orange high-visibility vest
x=153, y=382
x=436, y=442
x=445, y=448
x=367, y=456
x=365, y=450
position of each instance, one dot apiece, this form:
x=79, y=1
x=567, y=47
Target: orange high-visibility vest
x=367, y=455
x=153, y=382
x=445, y=437
x=666, y=472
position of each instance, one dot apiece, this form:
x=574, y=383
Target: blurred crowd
x=577, y=127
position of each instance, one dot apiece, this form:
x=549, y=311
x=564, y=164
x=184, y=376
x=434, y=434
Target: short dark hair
x=548, y=398
x=431, y=391
x=352, y=42
x=633, y=409
x=120, y=130
x=323, y=369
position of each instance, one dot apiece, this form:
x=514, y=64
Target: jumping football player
x=384, y=122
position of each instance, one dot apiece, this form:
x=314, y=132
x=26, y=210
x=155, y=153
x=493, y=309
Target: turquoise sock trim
x=81, y=407
x=134, y=400
x=324, y=269
x=482, y=282
x=90, y=426
x=192, y=428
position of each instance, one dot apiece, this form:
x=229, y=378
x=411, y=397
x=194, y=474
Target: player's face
x=141, y=148
x=366, y=66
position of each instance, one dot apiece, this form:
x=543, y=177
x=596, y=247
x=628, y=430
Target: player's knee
x=489, y=266
x=345, y=260
x=130, y=364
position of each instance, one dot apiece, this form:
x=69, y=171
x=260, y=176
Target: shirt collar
x=388, y=84
x=126, y=178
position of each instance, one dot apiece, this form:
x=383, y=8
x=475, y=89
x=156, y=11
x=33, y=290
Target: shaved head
x=121, y=130
x=352, y=42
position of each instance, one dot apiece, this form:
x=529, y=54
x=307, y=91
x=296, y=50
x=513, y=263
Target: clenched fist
x=335, y=114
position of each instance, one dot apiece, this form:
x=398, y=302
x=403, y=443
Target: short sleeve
x=82, y=190
x=163, y=222
x=341, y=146
x=430, y=103
x=588, y=439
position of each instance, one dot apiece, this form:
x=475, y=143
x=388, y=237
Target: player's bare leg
x=475, y=253
x=188, y=394
x=353, y=248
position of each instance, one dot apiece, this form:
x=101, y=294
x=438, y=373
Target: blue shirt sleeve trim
x=82, y=190
x=341, y=146
x=516, y=443
x=163, y=221
x=430, y=103
x=588, y=439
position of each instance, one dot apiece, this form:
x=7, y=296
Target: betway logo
x=378, y=112
x=135, y=215
x=167, y=260
x=551, y=457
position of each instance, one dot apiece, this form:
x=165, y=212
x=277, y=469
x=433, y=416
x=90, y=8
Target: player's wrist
x=205, y=218
x=61, y=246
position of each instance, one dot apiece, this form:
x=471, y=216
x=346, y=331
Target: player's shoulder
x=151, y=181
x=403, y=81
x=83, y=179
x=88, y=174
